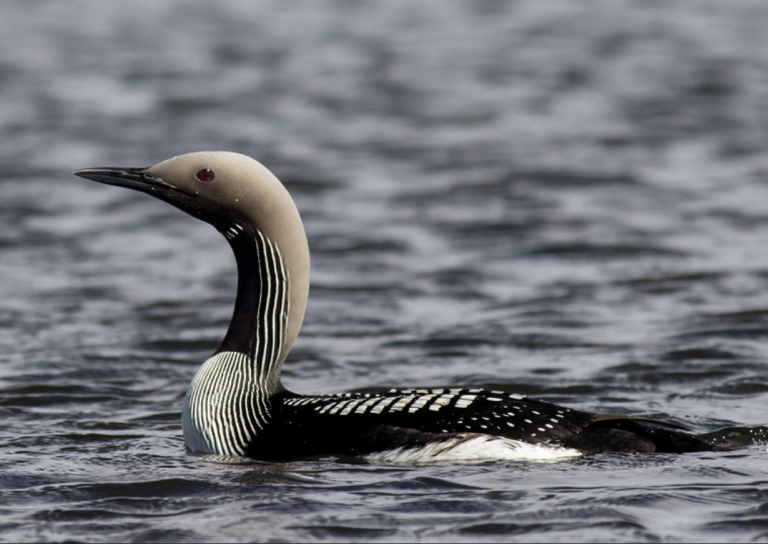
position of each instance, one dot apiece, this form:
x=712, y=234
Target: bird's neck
x=230, y=399
x=261, y=314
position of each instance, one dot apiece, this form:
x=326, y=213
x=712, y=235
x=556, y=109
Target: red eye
x=206, y=175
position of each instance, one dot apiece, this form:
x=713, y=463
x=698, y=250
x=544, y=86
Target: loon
x=237, y=405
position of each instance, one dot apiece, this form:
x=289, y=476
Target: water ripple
x=561, y=200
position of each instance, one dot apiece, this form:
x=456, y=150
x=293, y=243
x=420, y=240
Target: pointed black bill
x=132, y=178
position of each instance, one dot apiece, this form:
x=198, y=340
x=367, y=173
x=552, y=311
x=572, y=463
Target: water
x=565, y=200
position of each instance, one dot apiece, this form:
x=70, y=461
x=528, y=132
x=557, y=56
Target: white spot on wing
x=350, y=406
x=324, y=409
x=339, y=406
x=382, y=404
x=400, y=404
x=420, y=403
x=465, y=400
x=361, y=409
x=441, y=401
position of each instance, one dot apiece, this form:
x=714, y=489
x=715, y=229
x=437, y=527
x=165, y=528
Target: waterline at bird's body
x=237, y=405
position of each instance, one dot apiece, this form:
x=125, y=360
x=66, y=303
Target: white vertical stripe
x=227, y=403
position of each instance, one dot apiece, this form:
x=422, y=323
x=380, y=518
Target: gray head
x=226, y=189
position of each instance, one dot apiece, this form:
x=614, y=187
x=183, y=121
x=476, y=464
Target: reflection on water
x=556, y=199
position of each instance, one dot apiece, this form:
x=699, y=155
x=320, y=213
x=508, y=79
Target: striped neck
x=258, y=326
x=229, y=400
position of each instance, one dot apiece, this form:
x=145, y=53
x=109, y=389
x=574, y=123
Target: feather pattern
x=228, y=401
x=236, y=404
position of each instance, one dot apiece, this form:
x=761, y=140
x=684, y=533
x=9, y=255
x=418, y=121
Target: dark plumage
x=237, y=405
x=358, y=424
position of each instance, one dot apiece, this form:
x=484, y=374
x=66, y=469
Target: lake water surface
x=564, y=200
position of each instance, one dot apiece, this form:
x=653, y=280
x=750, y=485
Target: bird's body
x=237, y=405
